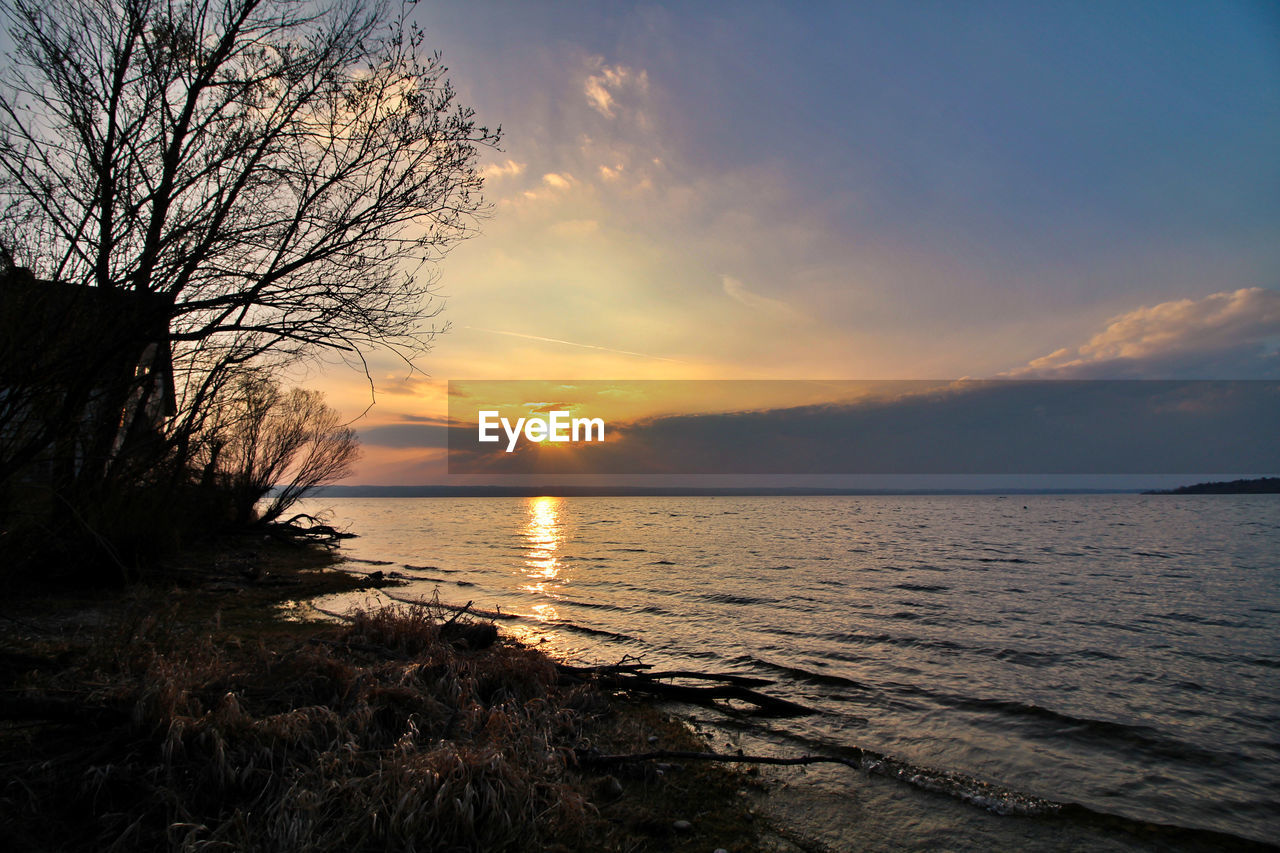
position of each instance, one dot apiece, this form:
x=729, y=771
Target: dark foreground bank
x=209, y=713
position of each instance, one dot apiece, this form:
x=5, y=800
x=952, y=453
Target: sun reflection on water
x=543, y=534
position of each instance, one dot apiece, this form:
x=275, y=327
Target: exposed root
x=308, y=528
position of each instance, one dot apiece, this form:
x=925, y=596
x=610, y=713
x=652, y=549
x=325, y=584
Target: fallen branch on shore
x=589, y=758
x=629, y=675
x=308, y=528
x=634, y=678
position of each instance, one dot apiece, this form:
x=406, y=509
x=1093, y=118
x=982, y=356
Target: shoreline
x=835, y=808
x=984, y=637
x=222, y=656
x=230, y=601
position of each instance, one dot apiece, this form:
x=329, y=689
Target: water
x=1120, y=653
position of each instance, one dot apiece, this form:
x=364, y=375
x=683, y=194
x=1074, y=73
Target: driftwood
x=460, y=611
x=483, y=614
x=727, y=677
x=592, y=758
x=472, y=634
x=314, y=530
x=634, y=678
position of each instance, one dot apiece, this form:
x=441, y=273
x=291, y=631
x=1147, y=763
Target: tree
x=282, y=173
x=265, y=438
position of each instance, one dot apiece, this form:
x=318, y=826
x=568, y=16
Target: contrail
x=574, y=344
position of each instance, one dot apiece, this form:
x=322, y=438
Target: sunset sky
x=852, y=191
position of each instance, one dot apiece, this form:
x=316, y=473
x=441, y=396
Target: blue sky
x=858, y=190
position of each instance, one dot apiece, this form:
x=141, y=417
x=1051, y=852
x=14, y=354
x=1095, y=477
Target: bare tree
x=279, y=171
x=275, y=444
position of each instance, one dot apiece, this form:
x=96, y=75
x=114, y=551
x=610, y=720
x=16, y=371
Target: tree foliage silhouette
x=284, y=174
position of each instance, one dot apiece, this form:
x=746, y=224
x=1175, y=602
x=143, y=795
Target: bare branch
x=286, y=172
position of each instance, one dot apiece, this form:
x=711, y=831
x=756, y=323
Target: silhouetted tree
x=269, y=447
x=278, y=172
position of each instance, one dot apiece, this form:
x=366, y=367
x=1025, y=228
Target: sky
x=910, y=190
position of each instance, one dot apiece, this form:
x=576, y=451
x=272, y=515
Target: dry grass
x=179, y=722
x=388, y=733
x=382, y=736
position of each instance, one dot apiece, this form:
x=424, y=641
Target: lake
x=1045, y=671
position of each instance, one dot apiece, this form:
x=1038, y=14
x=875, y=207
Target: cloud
x=415, y=385
x=980, y=427
x=738, y=291
x=574, y=344
x=407, y=435
x=601, y=88
x=575, y=228
x=558, y=181
x=496, y=171
x=1231, y=334
x=598, y=96
x=553, y=184
x=544, y=408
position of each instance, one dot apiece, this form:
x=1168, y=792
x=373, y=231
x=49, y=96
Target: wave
x=1197, y=619
x=654, y=610
x=1133, y=735
x=728, y=598
x=985, y=795
x=579, y=628
x=1006, y=800
x=594, y=605
x=897, y=640
x=1095, y=654
x=1003, y=800
x=800, y=675
x=922, y=587
x=414, y=568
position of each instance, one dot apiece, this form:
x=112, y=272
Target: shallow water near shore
x=1037, y=671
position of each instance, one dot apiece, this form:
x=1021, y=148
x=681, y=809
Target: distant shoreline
x=1256, y=486
x=671, y=491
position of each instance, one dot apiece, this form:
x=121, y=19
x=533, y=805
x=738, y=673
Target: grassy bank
x=197, y=714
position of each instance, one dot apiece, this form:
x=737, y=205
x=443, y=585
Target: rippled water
x=1117, y=652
